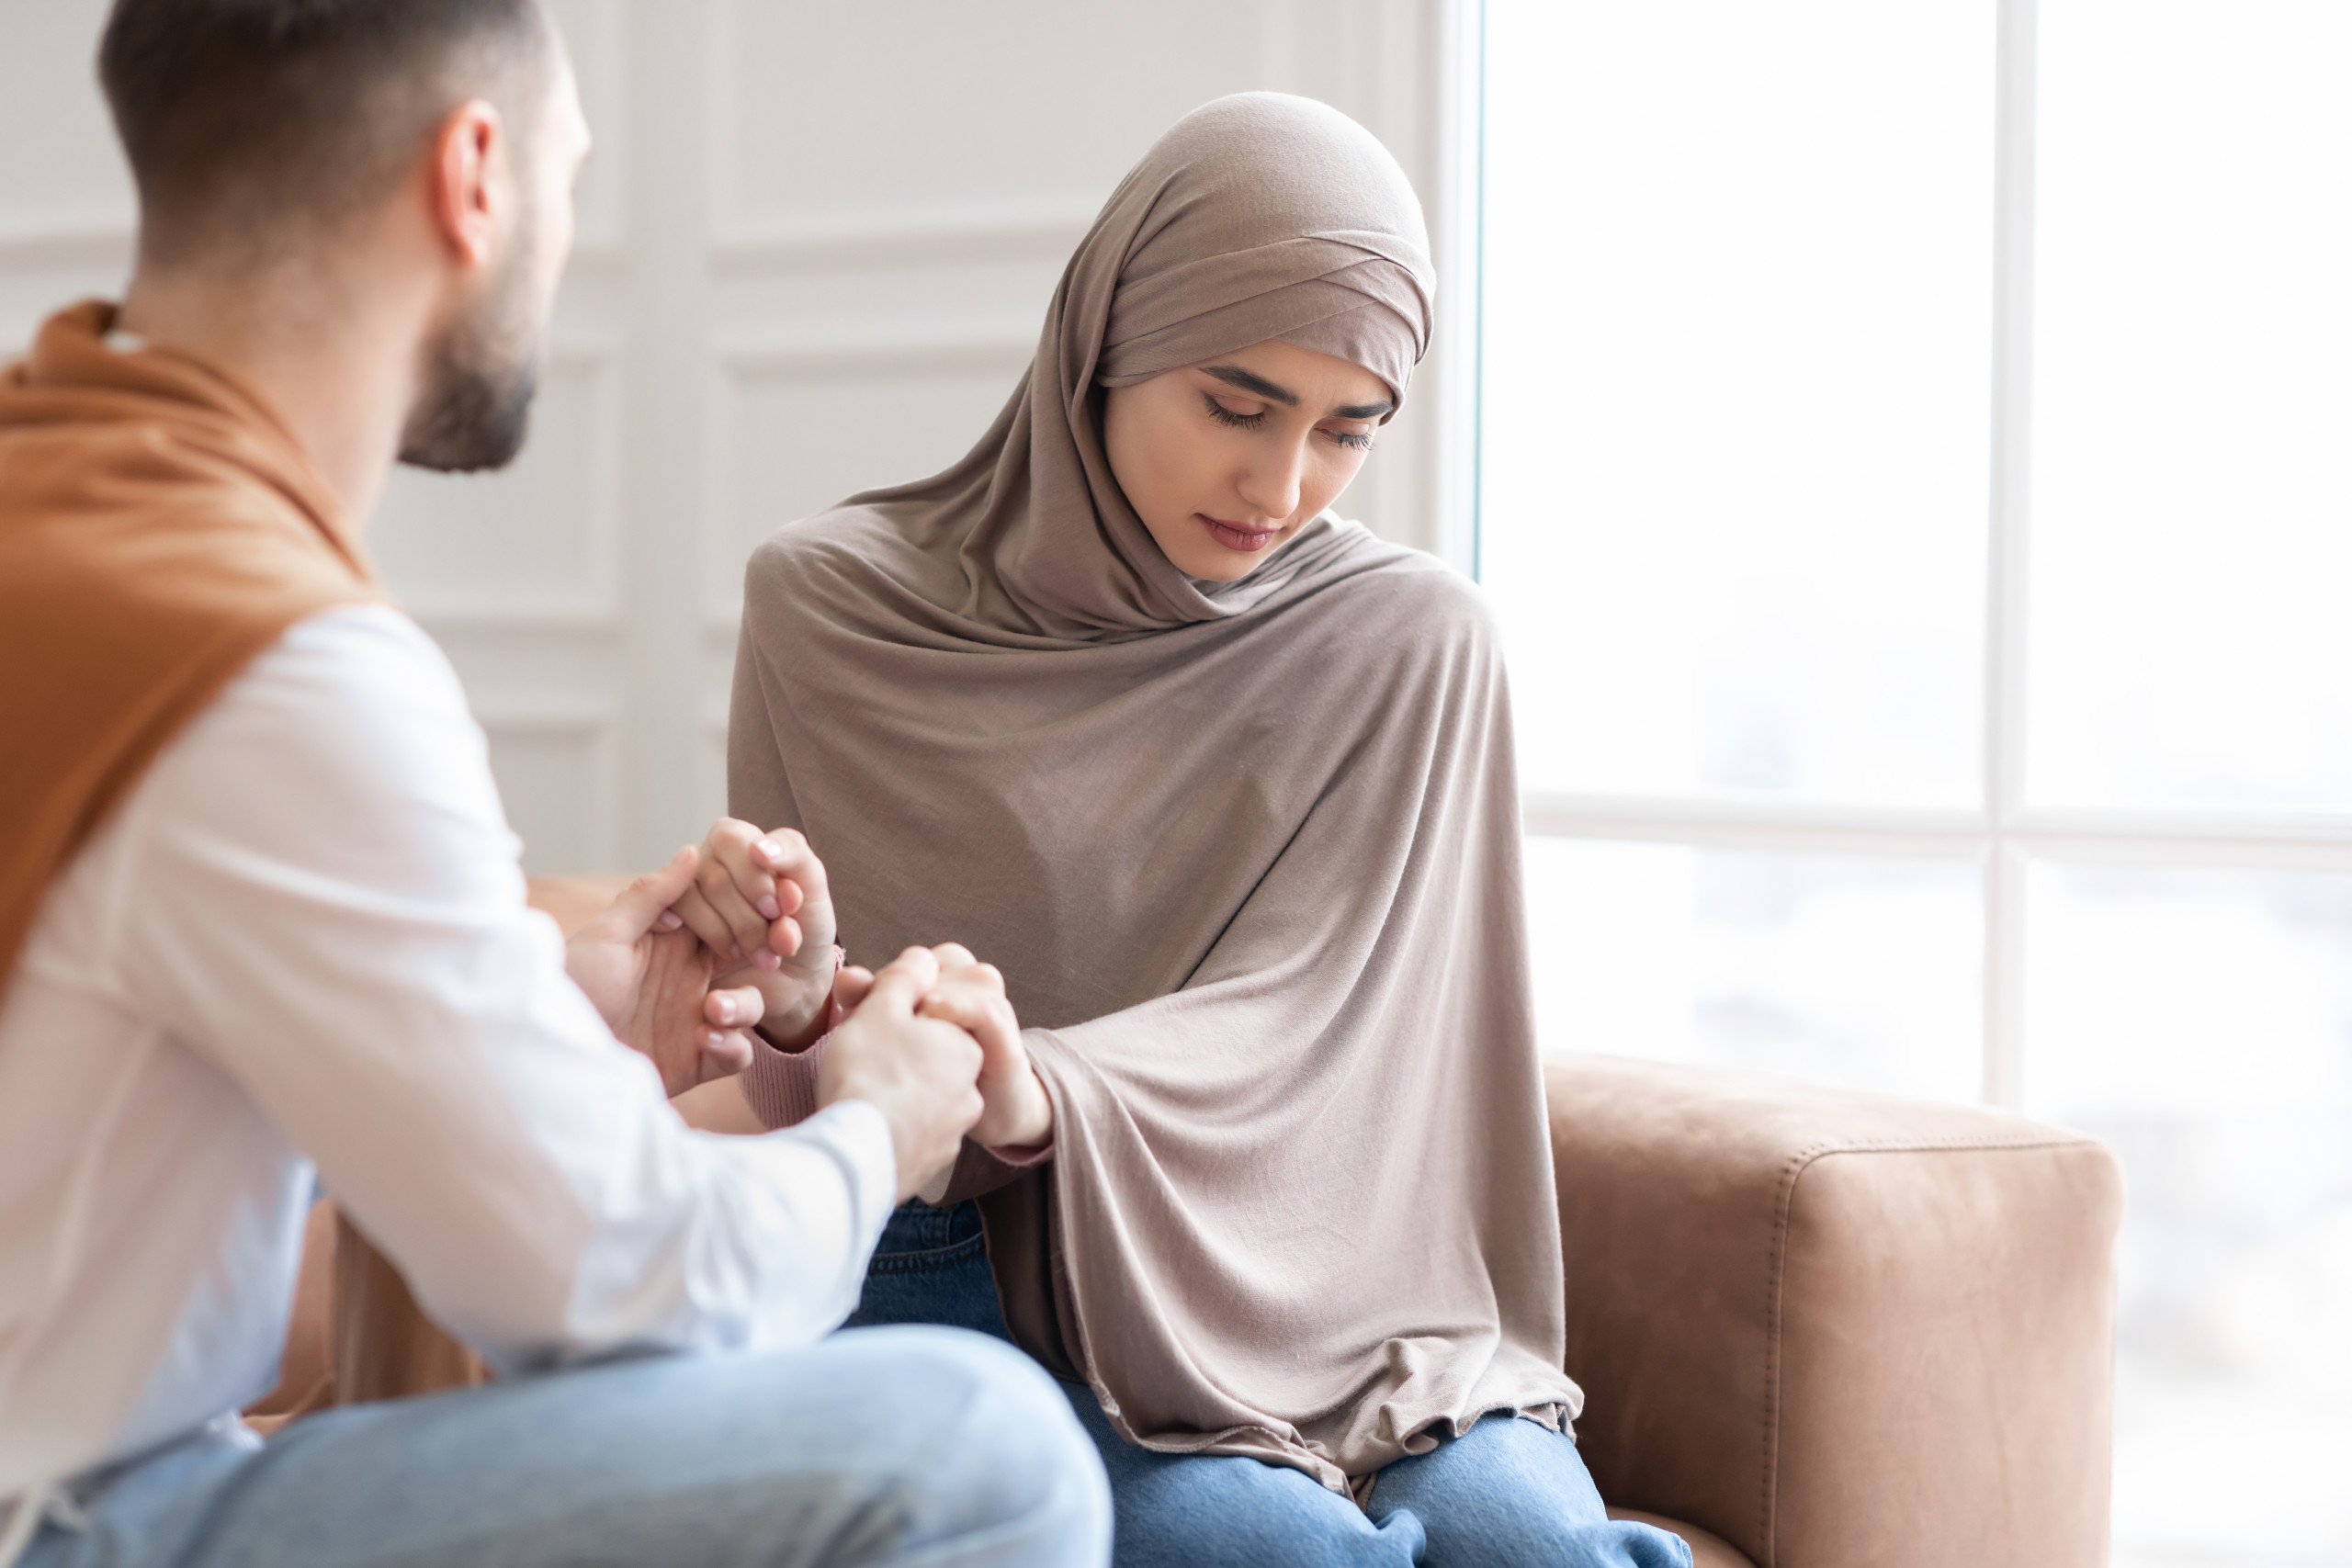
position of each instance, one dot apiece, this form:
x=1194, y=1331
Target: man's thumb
x=901, y=984
x=641, y=904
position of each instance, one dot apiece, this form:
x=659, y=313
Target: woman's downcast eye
x=1223, y=415
x=1352, y=440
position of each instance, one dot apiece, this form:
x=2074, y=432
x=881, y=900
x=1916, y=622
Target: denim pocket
x=929, y=1258
x=932, y=1265
x=919, y=1237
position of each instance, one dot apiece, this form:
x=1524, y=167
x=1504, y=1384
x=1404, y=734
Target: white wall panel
x=823, y=107
x=59, y=170
x=556, y=774
x=597, y=34
x=537, y=543
x=798, y=428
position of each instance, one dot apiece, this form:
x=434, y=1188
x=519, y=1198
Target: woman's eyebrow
x=1251, y=382
x=1363, y=411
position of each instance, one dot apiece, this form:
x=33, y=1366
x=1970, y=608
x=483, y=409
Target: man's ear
x=464, y=148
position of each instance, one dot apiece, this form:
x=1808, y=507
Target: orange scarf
x=158, y=528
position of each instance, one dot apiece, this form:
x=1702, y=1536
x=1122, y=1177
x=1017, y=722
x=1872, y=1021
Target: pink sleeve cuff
x=782, y=1085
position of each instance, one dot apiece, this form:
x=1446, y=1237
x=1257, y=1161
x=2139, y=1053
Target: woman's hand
x=651, y=982
x=1015, y=1110
x=759, y=902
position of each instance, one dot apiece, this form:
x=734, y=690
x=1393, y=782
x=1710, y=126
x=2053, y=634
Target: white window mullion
x=1795, y=827
x=2010, y=495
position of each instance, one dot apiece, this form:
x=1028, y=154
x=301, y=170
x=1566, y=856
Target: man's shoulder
x=358, y=683
x=355, y=649
x=345, y=744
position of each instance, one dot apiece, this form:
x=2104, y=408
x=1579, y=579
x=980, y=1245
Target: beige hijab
x=1247, y=853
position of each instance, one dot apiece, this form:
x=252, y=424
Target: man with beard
x=261, y=922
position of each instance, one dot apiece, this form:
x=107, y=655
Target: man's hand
x=920, y=1073
x=1016, y=1110
x=759, y=902
x=651, y=981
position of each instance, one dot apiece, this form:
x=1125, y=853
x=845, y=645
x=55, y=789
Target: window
x=1915, y=477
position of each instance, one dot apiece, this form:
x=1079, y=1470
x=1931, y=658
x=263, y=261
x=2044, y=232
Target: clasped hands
x=737, y=934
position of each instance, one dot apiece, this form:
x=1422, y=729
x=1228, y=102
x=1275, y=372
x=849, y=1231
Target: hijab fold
x=1247, y=853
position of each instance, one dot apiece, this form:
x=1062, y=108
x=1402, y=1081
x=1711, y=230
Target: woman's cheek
x=1330, y=479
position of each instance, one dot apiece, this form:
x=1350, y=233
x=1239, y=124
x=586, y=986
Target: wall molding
x=55, y=241
x=883, y=344
x=498, y=611
x=1013, y=226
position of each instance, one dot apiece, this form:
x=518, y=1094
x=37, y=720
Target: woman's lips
x=1236, y=535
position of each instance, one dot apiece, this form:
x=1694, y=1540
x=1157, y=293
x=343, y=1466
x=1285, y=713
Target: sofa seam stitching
x=1775, y=1289
x=1943, y=1146
x=1776, y=1273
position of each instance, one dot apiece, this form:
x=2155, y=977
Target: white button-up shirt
x=300, y=941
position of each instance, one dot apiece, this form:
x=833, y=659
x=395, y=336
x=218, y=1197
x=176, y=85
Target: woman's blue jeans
x=1506, y=1493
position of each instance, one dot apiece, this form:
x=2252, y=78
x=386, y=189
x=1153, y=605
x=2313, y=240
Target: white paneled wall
x=816, y=245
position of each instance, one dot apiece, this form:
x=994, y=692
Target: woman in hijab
x=1223, y=788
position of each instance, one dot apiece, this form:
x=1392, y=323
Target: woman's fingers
x=725, y=1052
x=850, y=984
x=724, y=1040
x=956, y=963
x=1016, y=1110
x=707, y=923
x=747, y=928
x=749, y=886
x=800, y=884
x=735, y=1006
x=735, y=845
x=981, y=1013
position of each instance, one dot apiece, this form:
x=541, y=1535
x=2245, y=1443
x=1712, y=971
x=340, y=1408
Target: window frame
x=2003, y=836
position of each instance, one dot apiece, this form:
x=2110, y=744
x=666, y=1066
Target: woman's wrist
x=799, y=1005
x=1029, y=1120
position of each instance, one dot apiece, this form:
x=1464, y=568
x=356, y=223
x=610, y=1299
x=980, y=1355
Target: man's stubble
x=473, y=411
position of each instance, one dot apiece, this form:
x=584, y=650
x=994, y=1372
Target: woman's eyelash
x=1355, y=441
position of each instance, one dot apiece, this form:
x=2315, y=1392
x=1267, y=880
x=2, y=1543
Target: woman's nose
x=1270, y=484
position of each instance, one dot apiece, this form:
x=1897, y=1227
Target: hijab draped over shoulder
x=1247, y=853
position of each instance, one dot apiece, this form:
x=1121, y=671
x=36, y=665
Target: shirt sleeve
x=323, y=898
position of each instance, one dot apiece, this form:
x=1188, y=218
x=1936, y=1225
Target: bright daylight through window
x=1916, y=477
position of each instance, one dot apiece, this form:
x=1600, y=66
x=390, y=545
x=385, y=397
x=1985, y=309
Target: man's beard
x=474, y=408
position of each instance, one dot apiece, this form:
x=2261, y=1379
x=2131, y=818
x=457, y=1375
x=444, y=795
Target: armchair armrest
x=1837, y=1328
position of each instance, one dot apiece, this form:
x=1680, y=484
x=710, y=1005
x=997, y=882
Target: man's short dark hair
x=243, y=118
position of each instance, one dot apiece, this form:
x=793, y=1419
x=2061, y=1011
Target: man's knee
x=1004, y=1454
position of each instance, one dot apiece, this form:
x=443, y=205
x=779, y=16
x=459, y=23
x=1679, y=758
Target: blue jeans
x=900, y=1446
x=1505, y=1493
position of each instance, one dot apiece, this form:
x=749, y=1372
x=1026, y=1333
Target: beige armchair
x=1815, y=1328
